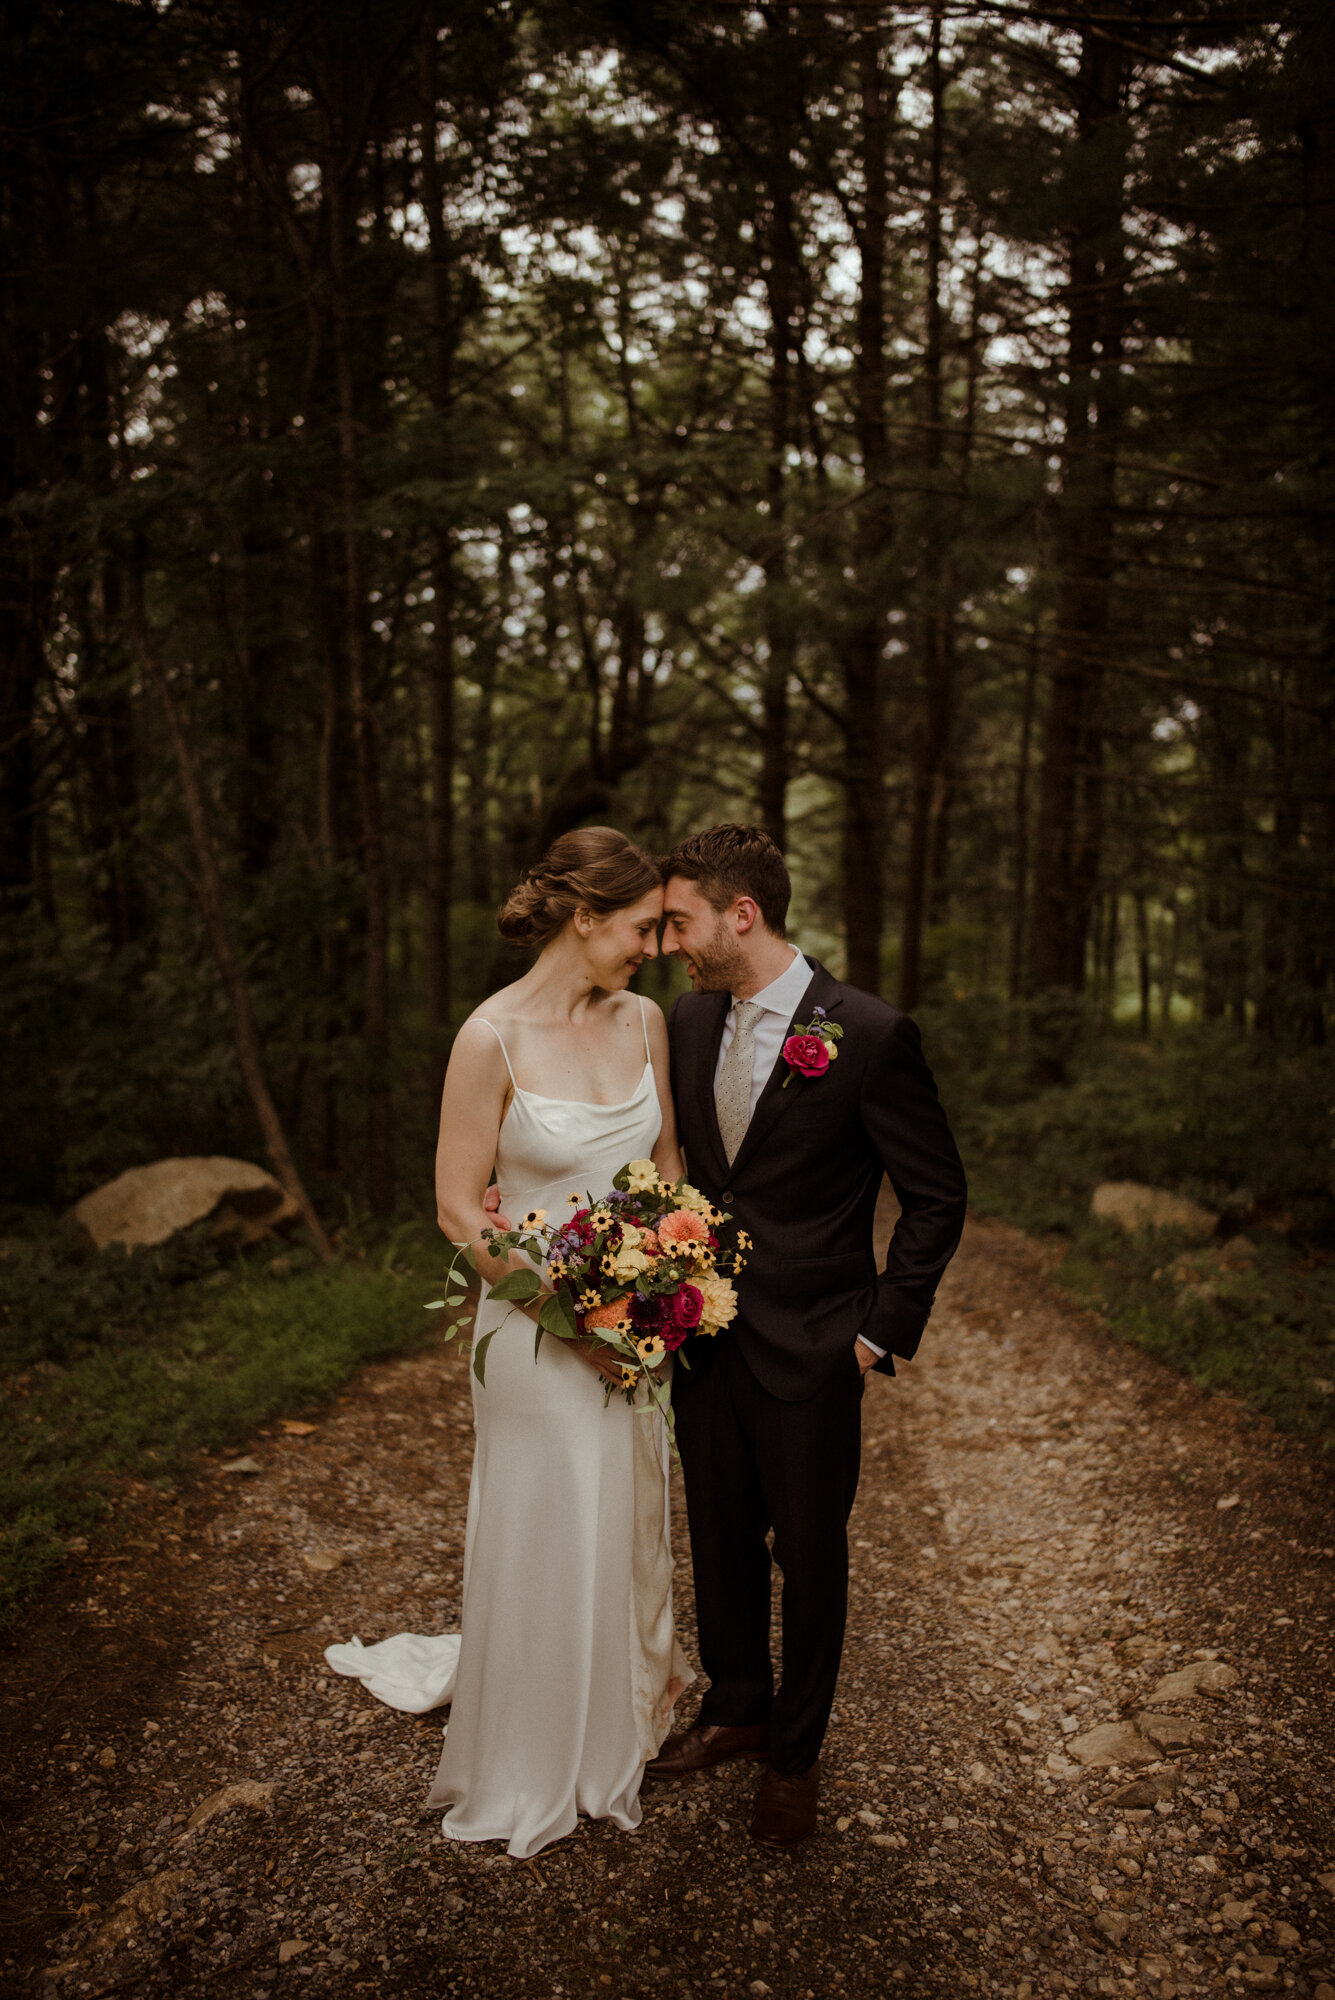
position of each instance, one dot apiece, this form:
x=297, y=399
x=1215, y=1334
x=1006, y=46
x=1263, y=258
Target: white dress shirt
x=780, y=1000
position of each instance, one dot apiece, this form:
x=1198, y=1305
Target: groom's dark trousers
x=768, y=1412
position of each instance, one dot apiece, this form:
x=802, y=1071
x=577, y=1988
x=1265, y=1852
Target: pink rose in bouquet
x=807, y=1054
x=638, y=1272
x=687, y=1310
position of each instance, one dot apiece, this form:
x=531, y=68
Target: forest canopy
x=430, y=427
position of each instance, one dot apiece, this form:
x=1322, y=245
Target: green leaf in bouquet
x=521, y=1285
x=437, y=1305
x=480, y=1355
x=557, y=1316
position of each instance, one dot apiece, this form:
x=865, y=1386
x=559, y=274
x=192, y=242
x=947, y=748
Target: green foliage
x=147, y=1359
x=111, y=1061
x=1265, y=1333
x=1243, y=1126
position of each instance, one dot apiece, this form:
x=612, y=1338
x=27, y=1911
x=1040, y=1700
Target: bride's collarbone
x=602, y=1066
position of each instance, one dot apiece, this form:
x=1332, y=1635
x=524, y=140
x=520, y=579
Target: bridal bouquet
x=640, y=1271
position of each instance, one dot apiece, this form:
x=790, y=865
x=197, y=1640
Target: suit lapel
x=775, y=1099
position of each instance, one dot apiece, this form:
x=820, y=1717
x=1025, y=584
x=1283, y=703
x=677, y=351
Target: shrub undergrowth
x=125, y=1365
x=1240, y=1125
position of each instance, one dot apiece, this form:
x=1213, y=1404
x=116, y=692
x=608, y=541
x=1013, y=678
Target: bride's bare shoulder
x=483, y=1036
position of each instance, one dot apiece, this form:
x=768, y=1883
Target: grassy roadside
x=120, y=1367
x=1245, y=1130
x=1264, y=1331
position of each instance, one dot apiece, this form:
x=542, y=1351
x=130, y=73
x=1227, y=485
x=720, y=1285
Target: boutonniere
x=810, y=1050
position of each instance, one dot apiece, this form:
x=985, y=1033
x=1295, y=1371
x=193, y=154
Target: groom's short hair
x=730, y=861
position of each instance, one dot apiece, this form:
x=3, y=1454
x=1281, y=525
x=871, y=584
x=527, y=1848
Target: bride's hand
x=601, y=1359
x=595, y=1352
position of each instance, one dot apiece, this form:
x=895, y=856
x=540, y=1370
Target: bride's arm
x=472, y=1105
x=666, y=1155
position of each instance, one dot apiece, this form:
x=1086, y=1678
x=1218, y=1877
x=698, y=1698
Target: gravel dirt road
x=1049, y=1528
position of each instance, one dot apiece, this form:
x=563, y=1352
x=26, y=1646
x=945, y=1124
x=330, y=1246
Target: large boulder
x=1135, y=1207
x=146, y=1205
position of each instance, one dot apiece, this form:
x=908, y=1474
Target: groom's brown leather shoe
x=697, y=1748
x=786, y=1807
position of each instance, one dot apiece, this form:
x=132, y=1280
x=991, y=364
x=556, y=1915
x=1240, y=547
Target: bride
x=563, y=1679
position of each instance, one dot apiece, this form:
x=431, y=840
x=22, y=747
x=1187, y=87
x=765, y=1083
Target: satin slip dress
x=563, y=1678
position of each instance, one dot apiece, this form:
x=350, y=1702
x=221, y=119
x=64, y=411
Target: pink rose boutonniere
x=810, y=1049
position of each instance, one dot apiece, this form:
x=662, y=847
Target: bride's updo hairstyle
x=594, y=868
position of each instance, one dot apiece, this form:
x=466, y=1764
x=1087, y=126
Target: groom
x=768, y=1414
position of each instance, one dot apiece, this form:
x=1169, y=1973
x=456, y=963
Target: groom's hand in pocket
x=867, y=1356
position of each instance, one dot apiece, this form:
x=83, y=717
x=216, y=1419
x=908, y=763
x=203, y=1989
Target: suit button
x=727, y=1195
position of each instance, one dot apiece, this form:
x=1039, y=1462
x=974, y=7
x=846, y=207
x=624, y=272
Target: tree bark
x=1223, y=942
x=1142, y=967
x=930, y=779
x=444, y=335
x=106, y=714
x=1020, y=821
x=208, y=891
x=781, y=279
x=1314, y=55
x=1068, y=836
x=864, y=794
x=375, y=1025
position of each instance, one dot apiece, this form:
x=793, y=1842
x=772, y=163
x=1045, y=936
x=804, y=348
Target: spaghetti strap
x=500, y=1038
x=644, y=1023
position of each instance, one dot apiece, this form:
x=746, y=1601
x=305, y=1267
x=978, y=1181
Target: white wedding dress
x=563, y=1679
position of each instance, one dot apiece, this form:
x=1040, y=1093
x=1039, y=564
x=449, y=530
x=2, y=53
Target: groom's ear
x=746, y=914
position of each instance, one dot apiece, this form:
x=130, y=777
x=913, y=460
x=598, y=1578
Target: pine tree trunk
x=931, y=750
x=375, y=1022
x=781, y=284
x=208, y=891
x=1020, y=822
x=1314, y=54
x=1143, y=966
x=864, y=793
x=440, y=816
x=1224, y=740
x=1068, y=836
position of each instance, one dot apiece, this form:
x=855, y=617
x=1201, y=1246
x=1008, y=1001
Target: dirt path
x=1047, y=1526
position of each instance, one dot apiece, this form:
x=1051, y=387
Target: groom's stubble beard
x=721, y=965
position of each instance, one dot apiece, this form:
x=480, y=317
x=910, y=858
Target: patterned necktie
x=732, y=1092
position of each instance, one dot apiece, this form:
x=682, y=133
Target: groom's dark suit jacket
x=805, y=1180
